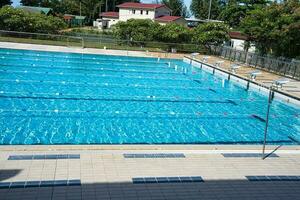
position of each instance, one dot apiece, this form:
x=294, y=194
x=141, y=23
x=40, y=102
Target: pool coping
x=79, y=50
x=177, y=147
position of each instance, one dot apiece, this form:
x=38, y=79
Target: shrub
x=12, y=19
x=211, y=33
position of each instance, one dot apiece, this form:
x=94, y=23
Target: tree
x=177, y=6
x=236, y=10
x=199, y=8
x=89, y=8
x=174, y=33
x=275, y=28
x=12, y=19
x=233, y=14
x=211, y=33
x=146, y=30
x=5, y=2
x=30, y=2
x=136, y=30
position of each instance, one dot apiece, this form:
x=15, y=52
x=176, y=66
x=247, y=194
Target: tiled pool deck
x=108, y=174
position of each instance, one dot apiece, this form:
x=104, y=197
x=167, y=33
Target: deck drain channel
x=247, y=155
x=46, y=183
x=273, y=178
x=44, y=157
x=159, y=155
x=176, y=179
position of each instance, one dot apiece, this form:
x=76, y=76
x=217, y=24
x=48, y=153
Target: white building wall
x=126, y=13
x=110, y=21
x=239, y=45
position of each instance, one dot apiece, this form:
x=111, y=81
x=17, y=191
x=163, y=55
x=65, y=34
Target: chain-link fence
x=98, y=42
x=39, y=38
x=285, y=67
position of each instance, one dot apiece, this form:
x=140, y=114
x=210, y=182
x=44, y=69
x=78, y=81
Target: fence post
x=82, y=42
x=68, y=42
x=295, y=70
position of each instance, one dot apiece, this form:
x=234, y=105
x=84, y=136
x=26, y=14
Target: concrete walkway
x=108, y=175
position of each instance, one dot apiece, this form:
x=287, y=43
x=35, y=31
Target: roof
x=141, y=5
x=167, y=18
x=79, y=17
x=42, y=10
x=192, y=19
x=110, y=14
x=237, y=35
x=68, y=17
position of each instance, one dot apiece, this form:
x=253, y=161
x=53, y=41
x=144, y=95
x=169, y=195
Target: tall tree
x=236, y=10
x=30, y=2
x=211, y=33
x=200, y=8
x=177, y=6
x=275, y=28
x=5, y=2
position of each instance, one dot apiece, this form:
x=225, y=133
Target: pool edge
x=143, y=147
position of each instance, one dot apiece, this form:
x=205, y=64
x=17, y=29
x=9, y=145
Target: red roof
x=237, y=35
x=140, y=5
x=110, y=14
x=167, y=18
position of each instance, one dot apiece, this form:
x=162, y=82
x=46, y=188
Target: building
x=168, y=19
x=74, y=20
x=156, y=12
x=238, y=41
x=193, y=22
x=40, y=10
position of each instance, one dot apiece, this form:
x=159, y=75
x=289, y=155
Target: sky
x=187, y=2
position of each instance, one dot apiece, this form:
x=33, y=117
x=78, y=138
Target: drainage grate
x=247, y=155
x=159, y=155
x=44, y=157
x=273, y=178
x=175, y=179
x=46, y=183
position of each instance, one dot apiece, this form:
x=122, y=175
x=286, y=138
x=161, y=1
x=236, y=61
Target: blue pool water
x=64, y=98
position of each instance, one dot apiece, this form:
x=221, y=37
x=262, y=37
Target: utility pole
x=209, y=10
x=80, y=7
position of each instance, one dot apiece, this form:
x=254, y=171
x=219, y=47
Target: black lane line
x=108, y=99
x=258, y=118
x=94, y=69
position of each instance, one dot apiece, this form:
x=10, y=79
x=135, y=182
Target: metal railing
x=286, y=67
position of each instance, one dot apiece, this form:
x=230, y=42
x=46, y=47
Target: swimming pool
x=68, y=98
